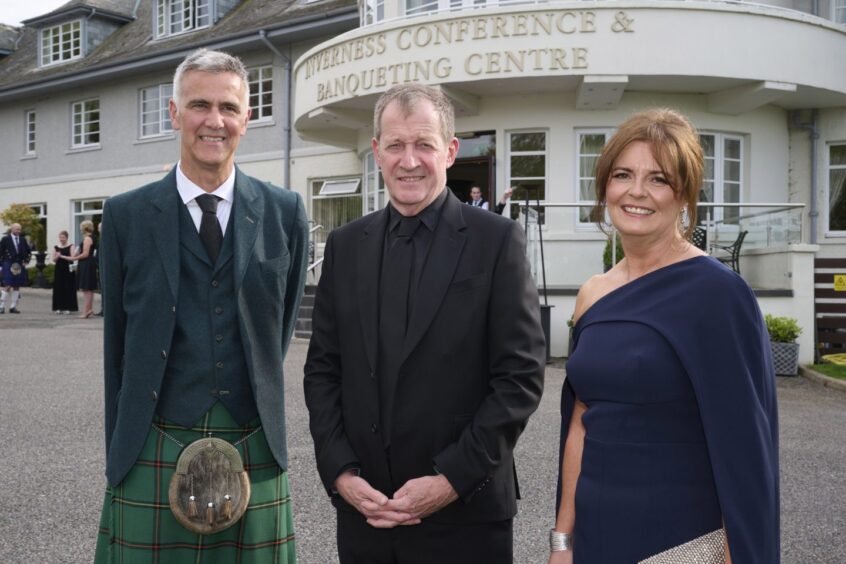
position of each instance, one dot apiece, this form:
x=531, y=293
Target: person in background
x=15, y=254
x=476, y=199
x=202, y=274
x=64, y=280
x=503, y=200
x=669, y=416
x=86, y=269
x=417, y=391
x=97, y=256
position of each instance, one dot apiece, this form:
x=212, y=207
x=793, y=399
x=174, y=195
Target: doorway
x=472, y=171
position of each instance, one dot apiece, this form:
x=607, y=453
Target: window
x=155, y=118
x=61, y=43
x=180, y=16
x=373, y=12
x=41, y=210
x=29, y=126
x=589, y=146
x=86, y=209
x=840, y=11
x=837, y=187
x=261, y=93
x=527, y=165
x=86, y=123
x=374, y=186
x=334, y=203
x=723, y=172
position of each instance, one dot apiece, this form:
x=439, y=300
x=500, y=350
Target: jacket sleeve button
x=154, y=395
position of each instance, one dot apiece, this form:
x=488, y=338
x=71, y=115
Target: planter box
x=786, y=358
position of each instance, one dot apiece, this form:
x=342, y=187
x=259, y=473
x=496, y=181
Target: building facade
x=540, y=86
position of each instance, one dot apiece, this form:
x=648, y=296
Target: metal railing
x=312, y=247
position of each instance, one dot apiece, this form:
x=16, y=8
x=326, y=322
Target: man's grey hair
x=210, y=61
x=408, y=95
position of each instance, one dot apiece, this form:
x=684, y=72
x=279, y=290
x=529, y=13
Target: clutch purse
x=707, y=549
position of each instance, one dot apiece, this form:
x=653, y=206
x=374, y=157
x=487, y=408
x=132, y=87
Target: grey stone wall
x=96, y=31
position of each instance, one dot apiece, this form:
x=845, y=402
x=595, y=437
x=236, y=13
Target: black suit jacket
x=472, y=371
x=7, y=250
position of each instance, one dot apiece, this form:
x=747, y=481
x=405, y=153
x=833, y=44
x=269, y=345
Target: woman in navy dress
x=669, y=422
x=64, y=281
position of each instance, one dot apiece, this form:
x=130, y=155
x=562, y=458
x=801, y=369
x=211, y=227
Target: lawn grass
x=832, y=370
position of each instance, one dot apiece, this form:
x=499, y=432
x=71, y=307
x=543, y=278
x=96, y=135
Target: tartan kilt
x=10, y=279
x=138, y=527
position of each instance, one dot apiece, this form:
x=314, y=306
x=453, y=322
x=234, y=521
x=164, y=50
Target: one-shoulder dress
x=681, y=423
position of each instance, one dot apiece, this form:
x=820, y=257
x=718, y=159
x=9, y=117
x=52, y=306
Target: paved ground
x=51, y=465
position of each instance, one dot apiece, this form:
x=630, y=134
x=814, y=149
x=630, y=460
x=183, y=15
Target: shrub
x=49, y=274
x=606, y=254
x=782, y=329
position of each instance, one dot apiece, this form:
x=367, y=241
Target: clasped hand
x=416, y=499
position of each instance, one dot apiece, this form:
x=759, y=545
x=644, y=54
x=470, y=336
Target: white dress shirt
x=188, y=191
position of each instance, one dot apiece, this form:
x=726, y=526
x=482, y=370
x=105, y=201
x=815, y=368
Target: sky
x=13, y=11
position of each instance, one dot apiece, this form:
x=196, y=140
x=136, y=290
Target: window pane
x=732, y=149
x=838, y=155
x=707, y=142
x=587, y=166
x=707, y=192
x=533, y=188
x=586, y=190
x=709, y=169
x=528, y=141
x=528, y=165
x=732, y=172
x=837, y=200
x=591, y=144
x=337, y=187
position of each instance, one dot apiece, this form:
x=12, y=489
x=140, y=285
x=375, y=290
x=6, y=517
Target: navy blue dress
x=681, y=426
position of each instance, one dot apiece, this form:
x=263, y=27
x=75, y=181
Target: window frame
x=164, y=93
x=47, y=55
x=829, y=232
x=608, y=132
x=167, y=12
x=30, y=129
x=82, y=211
x=838, y=11
x=374, y=192
x=314, y=194
x=719, y=180
x=510, y=154
x=261, y=112
x=83, y=143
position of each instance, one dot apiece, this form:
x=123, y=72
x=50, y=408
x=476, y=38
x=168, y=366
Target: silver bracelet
x=559, y=541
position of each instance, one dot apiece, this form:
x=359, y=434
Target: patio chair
x=732, y=258
x=699, y=238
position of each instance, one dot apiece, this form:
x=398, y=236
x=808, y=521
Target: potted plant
x=783, y=334
x=607, y=253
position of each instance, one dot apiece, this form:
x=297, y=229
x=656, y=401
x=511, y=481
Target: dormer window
x=181, y=16
x=61, y=43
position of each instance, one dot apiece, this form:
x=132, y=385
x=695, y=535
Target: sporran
x=210, y=490
x=15, y=268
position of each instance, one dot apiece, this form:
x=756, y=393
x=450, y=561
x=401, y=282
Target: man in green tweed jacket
x=201, y=294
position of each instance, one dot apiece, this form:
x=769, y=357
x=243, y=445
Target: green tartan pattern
x=137, y=527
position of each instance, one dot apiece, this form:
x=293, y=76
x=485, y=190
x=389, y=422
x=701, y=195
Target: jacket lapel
x=164, y=210
x=367, y=281
x=438, y=272
x=244, y=222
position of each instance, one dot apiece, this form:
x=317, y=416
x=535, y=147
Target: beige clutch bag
x=707, y=549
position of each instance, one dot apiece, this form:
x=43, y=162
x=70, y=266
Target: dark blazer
x=140, y=277
x=472, y=370
x=7, y=250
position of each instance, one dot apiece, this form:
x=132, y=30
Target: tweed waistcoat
x=206, y=361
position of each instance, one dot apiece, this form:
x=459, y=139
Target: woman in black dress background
x=86, y=270
x=64, y=281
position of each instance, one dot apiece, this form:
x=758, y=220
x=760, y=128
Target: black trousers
x=426, y=543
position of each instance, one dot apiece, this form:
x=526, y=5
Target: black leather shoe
x=14, y=310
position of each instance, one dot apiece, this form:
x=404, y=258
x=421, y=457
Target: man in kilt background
x=202, y=276
x=14, y=256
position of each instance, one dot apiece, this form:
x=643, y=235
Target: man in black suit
x=14, y=255
x=426, y=358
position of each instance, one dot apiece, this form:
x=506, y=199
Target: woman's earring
x=685, y=218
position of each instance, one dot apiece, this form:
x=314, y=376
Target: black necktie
x=210, y=233
x=17, y=249
x=393, y=314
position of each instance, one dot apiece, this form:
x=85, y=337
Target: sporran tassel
x=226, y=512
x=192, y=507
x=210, y=514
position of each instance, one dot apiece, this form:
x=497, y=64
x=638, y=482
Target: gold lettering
x=580, y=58
x=463, y=29
x=538, y=53
x=442, y=68
x=471, y=60
x=381, y=44
x=511, y=58
x=543, y=21
x=368, y=74
x=321, y=92
x=443, y=31
x=565, y=27
x=499, y=27
x=520, y=27
x=426, y=33
x=588, y=22
x=421, y=70
x=493, y=65
x=352, y=84
x=557, y=60
x=402, y=42
x=480, y=30
x=381, y=80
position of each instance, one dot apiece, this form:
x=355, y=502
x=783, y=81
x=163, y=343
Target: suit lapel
x=244, y=222
x=367, y=281
x=165, y=204
x=438, y=272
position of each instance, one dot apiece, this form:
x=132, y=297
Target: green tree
x=29, y=221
